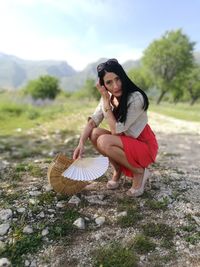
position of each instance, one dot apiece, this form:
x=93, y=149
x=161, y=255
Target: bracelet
x=106, y=109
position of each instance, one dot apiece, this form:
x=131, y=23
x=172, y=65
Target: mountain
x=16, y=72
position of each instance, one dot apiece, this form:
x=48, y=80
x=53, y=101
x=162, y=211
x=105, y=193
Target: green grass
x=17, y=116
x=183, y=111
x=115, y=255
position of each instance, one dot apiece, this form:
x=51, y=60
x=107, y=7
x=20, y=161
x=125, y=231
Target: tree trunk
x=194, y=99
x=160, y=97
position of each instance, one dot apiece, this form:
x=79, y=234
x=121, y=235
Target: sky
x=83, y=31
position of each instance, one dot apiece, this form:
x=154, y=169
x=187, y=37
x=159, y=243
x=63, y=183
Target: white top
x=136, y=118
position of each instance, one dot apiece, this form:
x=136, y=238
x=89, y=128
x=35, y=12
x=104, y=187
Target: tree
x=192, y=84
x=167, y=57
x=141, y=78
x=44, y=87
x=89, y=90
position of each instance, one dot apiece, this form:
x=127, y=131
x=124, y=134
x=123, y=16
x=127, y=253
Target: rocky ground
x=41, y=228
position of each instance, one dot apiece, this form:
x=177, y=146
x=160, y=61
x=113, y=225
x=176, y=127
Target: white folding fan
x=87, y=169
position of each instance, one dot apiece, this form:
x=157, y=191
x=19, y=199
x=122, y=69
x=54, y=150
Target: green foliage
x=132, y=217
x=143, y=244
x=157, y=205
x=24, y=245
x=89, y=90
x=44, y=87
x=141, y=78
x=115, y=255
x=159, y=230
x=167, y=57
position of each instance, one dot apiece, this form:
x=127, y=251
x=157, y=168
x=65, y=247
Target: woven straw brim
x=59, y=183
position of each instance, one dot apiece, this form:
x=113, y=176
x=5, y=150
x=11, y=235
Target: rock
x=4, y=262
x=122, y=214
x=100, y=220
x=27, y=263
x=28, y=229
x=21, y=210
x=47, y=188
x=35, y=193
x=80, y=223
x=96, y=199
x=5, y=214
x=33, y=201
x=4, y=228
x=45, y=232
x=41, y=214
x=61, y=204
x=74, y=200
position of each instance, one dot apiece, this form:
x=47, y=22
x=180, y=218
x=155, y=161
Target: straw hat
x=60, y=183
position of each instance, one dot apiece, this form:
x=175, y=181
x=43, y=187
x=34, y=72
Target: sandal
x=112, y=184
x=132, y=192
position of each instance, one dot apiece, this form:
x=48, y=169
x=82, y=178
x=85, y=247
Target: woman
x=129, y=143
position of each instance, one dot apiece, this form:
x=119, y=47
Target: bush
x=42, y=88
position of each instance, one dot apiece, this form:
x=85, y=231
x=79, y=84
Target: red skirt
x=140, y=151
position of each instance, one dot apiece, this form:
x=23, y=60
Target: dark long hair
x=128, y=87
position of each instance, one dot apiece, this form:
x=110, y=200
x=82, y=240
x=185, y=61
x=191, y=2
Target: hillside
x=16, y=72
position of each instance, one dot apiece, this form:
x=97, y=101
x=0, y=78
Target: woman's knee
x=96, y=133
x=103, y=142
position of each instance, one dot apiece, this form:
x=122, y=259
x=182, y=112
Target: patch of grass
x=157, y=205
x=63, y=226
x=20, y=167
x=34, y=170
x=182, y=111
x=193, y=239
x=114, y=255
x=46, y=198
x=24, y=245
x=126, y=202
x=132, y=218
x=142, y=244
x=159, y=230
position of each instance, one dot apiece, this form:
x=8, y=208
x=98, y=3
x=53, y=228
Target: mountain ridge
x=16, y=72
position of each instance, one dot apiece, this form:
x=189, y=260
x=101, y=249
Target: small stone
x=41, y=214
x=35, y=193
x=33, y=201
x=27, y=263
x=100, y=220
x=47, y=188
x=80, y=223
x=5, y=214
x=61, y=204
x=122, y=214
x=21, y=210
x=4, y=262
x=74, y=200
x=4, y=228
x=28, y=229
x=45, y=232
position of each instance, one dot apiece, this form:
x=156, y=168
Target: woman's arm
x=78, y=152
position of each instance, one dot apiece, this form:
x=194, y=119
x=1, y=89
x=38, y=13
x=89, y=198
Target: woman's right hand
x=78, y=152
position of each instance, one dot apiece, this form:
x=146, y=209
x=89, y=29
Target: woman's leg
x=111, y=146
x=96, y=133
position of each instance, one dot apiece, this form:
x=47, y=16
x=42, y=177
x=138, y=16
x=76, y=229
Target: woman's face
x=113, y=83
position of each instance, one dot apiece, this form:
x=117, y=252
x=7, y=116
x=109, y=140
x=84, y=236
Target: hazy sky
x=82, y=31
